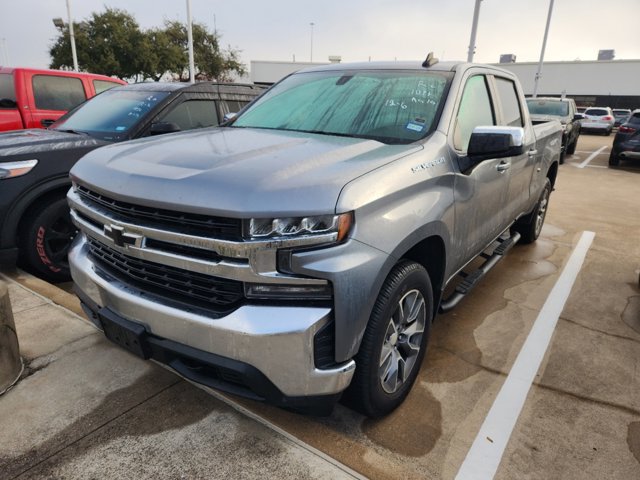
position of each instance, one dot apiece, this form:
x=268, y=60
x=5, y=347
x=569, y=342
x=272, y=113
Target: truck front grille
x=189, y=223
x=173, y=284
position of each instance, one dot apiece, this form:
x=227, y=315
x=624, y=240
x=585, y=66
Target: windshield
x=385, y=105
x=546, y=107
x=111, y=114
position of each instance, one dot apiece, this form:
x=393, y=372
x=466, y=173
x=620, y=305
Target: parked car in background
x=31, y=98
x=626, y=144
x=621, y=115
x=543, y=109
x=598, y=119
x=34, y=164
x=581, y=109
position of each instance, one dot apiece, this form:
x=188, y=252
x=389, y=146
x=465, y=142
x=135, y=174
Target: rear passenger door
x=52, y=96
x=510, y=113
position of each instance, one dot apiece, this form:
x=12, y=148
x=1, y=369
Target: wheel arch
x=23, y=207
x=431, y=254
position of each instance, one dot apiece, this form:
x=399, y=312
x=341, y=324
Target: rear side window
x=230, y=106
x=511, y=114
x=6, y=87
x=101, y=85
x=475, y=111
x=193, y=114
x=596, y=111
x=635, y=118
x=57, y=93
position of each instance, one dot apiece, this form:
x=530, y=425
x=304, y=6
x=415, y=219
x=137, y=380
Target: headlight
x=16, y=169
x=263, y=228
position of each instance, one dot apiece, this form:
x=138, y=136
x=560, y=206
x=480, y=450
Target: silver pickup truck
x=303, y=250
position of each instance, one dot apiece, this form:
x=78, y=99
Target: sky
x=356, y=30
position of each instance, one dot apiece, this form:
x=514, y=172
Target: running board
x=472, y=279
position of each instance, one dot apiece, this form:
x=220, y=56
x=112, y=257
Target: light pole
x=59, y=23
x=311, y=56
x=474, y=30
x=544, y=45
x=192, y=77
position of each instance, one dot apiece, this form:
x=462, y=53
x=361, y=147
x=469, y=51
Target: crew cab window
x=57, y=93
x=511, y=115
x=193, y=114
x=101, y=85
x=6, y=87
x=475, y=110
x=229, y=106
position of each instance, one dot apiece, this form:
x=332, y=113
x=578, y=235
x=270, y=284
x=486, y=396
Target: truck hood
x=236, y=172
x=34, y=141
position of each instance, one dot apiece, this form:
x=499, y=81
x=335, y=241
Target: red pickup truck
x=31, y=98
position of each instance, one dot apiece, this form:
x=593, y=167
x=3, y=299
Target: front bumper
x=271, y=346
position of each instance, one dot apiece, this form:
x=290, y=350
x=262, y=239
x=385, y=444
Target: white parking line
x=591, y=157
x=483, y=459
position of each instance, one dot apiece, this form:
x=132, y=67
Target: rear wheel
x=394, y=342
x=47, y=236
x=614, y=159
x=530, y=226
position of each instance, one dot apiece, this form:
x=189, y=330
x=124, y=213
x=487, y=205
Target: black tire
x=614, y=160
x=45, y=240
x=530, y=226
x=373, y=391
x=561, y=160
x=571, y=149
x=608, y=132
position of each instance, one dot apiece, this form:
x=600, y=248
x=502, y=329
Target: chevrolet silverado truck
x=301, y=251
x=35, y=227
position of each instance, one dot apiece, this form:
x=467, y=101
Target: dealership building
x=603, y=83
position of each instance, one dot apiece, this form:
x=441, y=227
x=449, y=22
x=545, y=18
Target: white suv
x=599, y=119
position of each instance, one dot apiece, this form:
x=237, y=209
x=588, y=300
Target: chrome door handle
x=531, y=153
x=502, y=166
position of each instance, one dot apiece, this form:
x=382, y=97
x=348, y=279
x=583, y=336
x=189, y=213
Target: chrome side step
x=471, y=279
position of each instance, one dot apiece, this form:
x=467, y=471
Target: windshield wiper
x=69, y=130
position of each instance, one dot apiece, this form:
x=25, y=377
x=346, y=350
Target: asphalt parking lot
x=581, y=417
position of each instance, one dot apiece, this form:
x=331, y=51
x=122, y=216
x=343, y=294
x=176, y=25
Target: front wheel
x=571, y=149
x=530, y=226
x=47, y=236
x=394, y=342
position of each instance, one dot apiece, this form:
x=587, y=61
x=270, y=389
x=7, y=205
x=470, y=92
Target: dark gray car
x=543, y=109
x=34, y=164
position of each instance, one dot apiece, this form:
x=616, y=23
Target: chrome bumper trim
x=276, y=340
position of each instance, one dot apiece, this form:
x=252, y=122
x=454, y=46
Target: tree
x=211, y=62
x=112, y=43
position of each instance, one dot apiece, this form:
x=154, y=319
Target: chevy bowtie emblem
x=122, y=238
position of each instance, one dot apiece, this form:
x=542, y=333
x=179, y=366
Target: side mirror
x=577, y=117
x=159, y=128
x=8, y=103
x=495, y=142
x=229, y=116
